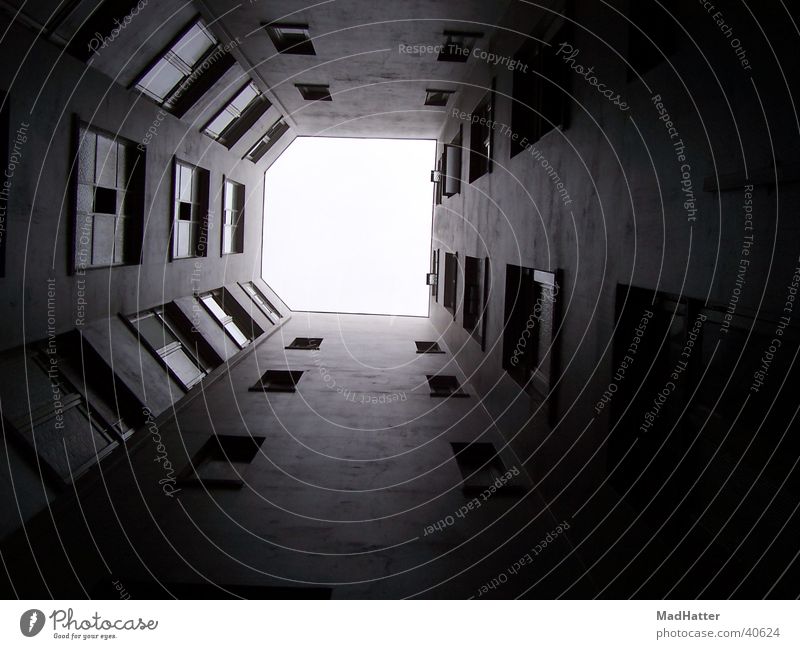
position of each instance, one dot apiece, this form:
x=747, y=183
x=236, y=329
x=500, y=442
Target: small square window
x=425, y=347
x=458, y=46
x=437, y=97
x=291, y=38
x=481, y=467
x=260, y=148
x=305, y=343
x=221, y=462
x=444, y=385
x=278, y=381
x=314, y=92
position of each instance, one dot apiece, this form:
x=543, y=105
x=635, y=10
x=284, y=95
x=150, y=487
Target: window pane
x=193, y=45
x=183, y=367
x=214, y=307
x=103, y=239
x=241, y=101
x=227, y=239
x=237, y=334
x=161, y=78
x=154, y=332
x=220, y=123
x=185, y=183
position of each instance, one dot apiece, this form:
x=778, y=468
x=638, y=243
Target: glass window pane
x=185, y=183
x=195, y=43
x=237, y=334
x=103, y=239
x=160, y=80
x=152, y=329
x=183, y=367
x=214, y=307
x=241, y=101
x=220, y=123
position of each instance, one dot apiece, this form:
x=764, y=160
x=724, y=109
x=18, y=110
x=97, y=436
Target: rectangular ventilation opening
x=291, y=38
x=458, y=46
x=221, y=462
x=437, y=97
x=305, y=343
x=425, y=347
x=481, y=467
x=278, y=381
x=445, y=385
x=314, y=92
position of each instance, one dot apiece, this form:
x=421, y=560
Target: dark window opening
x=314, y=91
x=482, y=467
x=540, y=100
x=481, y=138
x=445, y=385
x=476, y=289
x=221, y=462
x=306, y=344
x=291, y=38
x=426, y=347
x=437, y=97
x=109, y=200
x=450, y=281
x=278, y=381
x=458, y=46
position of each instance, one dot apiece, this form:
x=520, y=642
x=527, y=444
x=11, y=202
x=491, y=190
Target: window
x=458, y=46
x=50, y=416
x=109, y=200
x=476, y=289
x=291, y=38
x=214, y=304
x=450, y=281
x=451, y=167
x=258, y=150
x=480, y=138
x=444, y=385
x=481, y=467
x=305, y=344
x=191, y=64
x=163, y=340
x=278, y=381
x=540, y=101
x=261, y=301
x=437, y=97
x=232, y=217
x=190, y=216
x=437, y=178
x=433, y=277
x=428, y=347
x=221, y=462
x=650, y=23
x=314, y=91
x=530, y=319
x=237, y=116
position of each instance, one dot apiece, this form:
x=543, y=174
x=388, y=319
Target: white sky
x=347, y=225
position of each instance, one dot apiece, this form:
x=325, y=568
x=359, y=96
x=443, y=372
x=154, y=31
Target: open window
x=291, y=38
x=221, y=462
x=278, y=381
x=306, y=344
x=481, y=138
x=264, y=144
x=50, y=416
x=109, y=200
x=165, y=342
x=531, y=316
x=185, y=70
x=237, y=116
x=450, y=281
x=540, y=100
x=190, y=211
x=476, y=291
x=445, y=385
x=260, y=300
x=435, y=97
x=233, y=198
x=451, y=168
x=314, y=91
x=235, y=328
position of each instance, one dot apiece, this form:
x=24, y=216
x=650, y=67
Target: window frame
x=228, y=322
x=198, y=242
x=237, y=227
x=481, y=157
